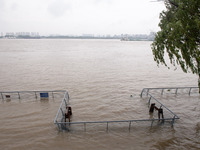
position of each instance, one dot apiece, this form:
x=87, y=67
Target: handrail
x=65, y=101
x=114, y=121
x=34, y=92
x=168, y=88
x=55, y=120
x=163, y=105
x=173, y=87
x=62, y=125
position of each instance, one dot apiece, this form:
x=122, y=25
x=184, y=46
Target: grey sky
x=80, y=16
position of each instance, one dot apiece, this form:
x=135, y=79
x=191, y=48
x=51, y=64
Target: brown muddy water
x=100, y=76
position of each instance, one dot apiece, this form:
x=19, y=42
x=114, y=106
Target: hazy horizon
x=77, y=17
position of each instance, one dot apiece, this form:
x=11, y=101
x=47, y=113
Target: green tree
x=179, y=36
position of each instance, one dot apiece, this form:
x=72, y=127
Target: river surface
x=100, y=76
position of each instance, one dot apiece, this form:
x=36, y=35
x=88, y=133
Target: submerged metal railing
x=147, y=90
x=59, y=119
x=151, y=98
x=4, y=95
x=169, y=114
x=66, y=125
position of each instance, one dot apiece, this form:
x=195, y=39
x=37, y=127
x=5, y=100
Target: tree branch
x=173, y=3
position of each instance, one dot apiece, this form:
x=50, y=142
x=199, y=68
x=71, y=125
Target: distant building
x=125, y=37
x=138, y=37
x=10, y=35
x=87, y=35
x=27, y=35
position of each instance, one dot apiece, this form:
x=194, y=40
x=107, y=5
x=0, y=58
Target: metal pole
x=176, y=91
x=173, y=121
x=149, y=100
x=35, y=95
x=18, y=95
x=2, y=96
x=190, y=91
x=52, y=95
x=142, y=93
x=129, y=125
x=65, y=102
x=62, y=112
x=162, y=92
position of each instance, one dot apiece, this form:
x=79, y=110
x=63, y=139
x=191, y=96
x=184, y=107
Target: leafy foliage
x=180, y=35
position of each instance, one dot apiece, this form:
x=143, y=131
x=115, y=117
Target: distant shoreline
x=122, y=37
x=78, y=37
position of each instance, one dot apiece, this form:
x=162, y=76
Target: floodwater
x=100, y=76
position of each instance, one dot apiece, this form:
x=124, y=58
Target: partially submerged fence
x=12, y=95
x=169, y=116
x=60, y=120
x=174, y=90
x=153, y=100
x=60, y=116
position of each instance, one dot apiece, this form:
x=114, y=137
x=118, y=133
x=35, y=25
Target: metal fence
x=29, y=95
x=169, y=116
x=59, y=119
x=152, y=99
x=174, y=90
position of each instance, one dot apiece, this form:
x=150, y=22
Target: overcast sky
x=80, y=16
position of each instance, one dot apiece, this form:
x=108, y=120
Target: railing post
x=62, y=112
x=141, y=93
x=65, y=102
x=58, y=125
x=173, y=120
x=18, y=95
x=162, y=91
x=67, y=96
x=129, y=125
x=149, y=100
x=107, y=127
x=176, y=91
x=2, y=96
x=52, y=95
x=35, y=95
x=190, y=91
